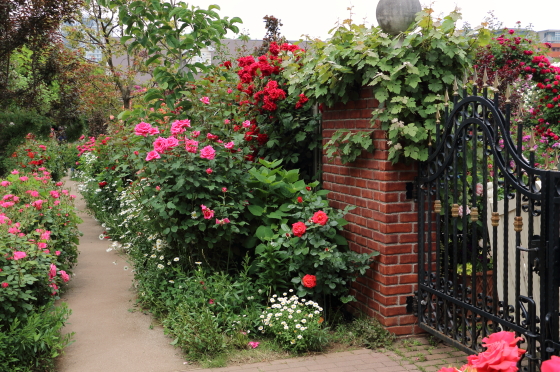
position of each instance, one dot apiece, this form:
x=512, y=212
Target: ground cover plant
x=38, y=248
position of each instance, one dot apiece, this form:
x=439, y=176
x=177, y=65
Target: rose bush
x=38, y=248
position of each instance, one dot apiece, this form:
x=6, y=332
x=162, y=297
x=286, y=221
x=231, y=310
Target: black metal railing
x=488, y=232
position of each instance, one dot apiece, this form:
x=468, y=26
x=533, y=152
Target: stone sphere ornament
x=395, y=16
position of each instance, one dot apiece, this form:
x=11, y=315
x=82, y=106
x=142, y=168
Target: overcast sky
x=316, y=17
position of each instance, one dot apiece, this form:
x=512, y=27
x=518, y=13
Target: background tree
x=272, y=25
x=97, y=27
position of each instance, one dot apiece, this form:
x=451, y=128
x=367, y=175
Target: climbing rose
x=320, y=218
x=208, y=152
x=551, y=365
x=298, y=228
x=309, y=281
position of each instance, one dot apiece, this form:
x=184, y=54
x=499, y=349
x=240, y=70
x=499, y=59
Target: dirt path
x=108, y=337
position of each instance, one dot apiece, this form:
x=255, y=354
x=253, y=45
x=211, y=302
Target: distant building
x=553, y=38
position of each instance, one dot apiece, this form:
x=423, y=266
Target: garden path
x=108, y=337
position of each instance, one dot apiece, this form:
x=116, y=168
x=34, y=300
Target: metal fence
x=488, y=232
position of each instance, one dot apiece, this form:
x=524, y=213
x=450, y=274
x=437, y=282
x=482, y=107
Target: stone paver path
x=110, y=337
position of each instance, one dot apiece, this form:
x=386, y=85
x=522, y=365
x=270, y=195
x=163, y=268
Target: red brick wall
x=384, y=220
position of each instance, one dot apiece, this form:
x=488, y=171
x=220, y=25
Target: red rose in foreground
x=102, y=184
x=498, y=357
x=300, y=199
x=551, y=365
x=298, y=228
x=320, y=218
x=309, y=281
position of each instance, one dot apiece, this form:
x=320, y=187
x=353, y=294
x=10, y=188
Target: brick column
x=384, y=220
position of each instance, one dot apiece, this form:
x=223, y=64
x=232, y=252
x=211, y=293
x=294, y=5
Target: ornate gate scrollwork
x=488, y=232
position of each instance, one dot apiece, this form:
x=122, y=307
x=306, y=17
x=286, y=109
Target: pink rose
x=209, y=171
x=15, y=172
x=160, y=145
x=5, y=285
x=205, y=100
x=5, y=183
x=191, y=146
x=229, y=145
x=153, y=131
x=52, y=271
x=152, y=155
x=23, y=178
x=142, y=129
x=224, y=189
x=227, y=121
x=19, y=255
x=246, y=124
x=207, y=212
x=208, y=152
x=64, y=276
x=479, y=189
x=195, y=133
x=42, y=245
x=57, y=253
x=253, y=344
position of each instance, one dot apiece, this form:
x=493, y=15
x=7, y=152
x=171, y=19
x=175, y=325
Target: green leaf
x=264, y=232
x=256, y=210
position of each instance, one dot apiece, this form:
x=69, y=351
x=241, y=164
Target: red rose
x=551, y=365
x=320, y=218
x=298, y=228
x=308, y=188
x=300, y=199
x=102, y=184
x=309, y=281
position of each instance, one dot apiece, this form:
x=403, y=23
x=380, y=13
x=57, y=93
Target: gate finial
x=475, y=77
x=438, y=117
x=455, y=87
x=465, y=80
x=532, y=142
x=446, y=98
x=508, y=94
x=496, y=82
x=485, y=79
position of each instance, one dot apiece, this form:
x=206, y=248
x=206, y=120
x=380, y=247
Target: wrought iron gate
x=488, y=233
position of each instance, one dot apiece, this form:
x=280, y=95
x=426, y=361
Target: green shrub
x=32, y=343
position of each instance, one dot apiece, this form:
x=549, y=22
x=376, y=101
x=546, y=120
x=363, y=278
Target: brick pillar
x=384, y=220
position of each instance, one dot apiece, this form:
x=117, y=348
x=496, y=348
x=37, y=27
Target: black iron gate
x=488, y=232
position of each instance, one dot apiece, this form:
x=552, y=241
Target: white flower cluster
x=291, y=314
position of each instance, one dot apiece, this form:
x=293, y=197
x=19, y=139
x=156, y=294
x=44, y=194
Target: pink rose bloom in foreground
x=5, y=183
x=19, y=255
x=153, y=131
x=64, y=276
x=253, y=344
x=207, y=212
x=142, y=129
x=205, y=100
x=152, y=155
x=208, y=152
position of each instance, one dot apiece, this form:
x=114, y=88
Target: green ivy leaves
x=408, y=75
